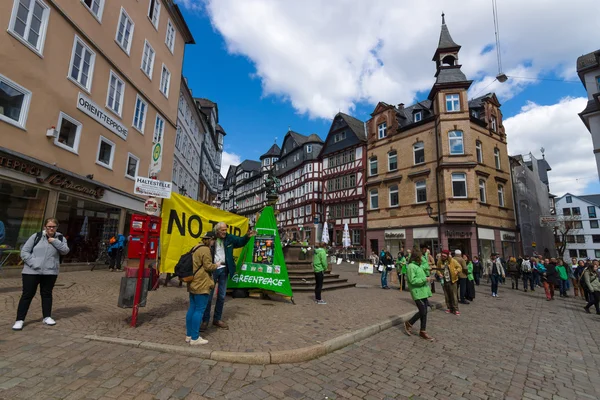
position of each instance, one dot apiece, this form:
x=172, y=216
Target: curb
x=272, y=357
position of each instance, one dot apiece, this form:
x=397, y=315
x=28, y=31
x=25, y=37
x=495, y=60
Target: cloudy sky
x=272, y=65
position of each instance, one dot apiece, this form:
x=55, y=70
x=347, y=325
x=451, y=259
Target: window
x=419, y=153
x=455, y=140
x=154, y=12
x=394, y=202
x=573, y=253
x=569, y=199
x=501, y=195
x=577, y=225
x=339, y=137
x=392, y=161
x=482, y=196
x=418, y=116
x=165, y=81
x=82, y=64
x=421, y=191
x=95, y=7
x=14, y=102
x=452, y=103
x=570, y=238
x=309, y=148
x=566, y=211
x=576, y=211
x=497, y=157
x=592, y=211
x=374, y=196
x=356, y=236
x=580, y=238
x=148, y=60
x=159, y=129
x=106, y=153
x=170, y=39
x=139, y=114
x=494, y=123
x=583, y=253
x=479, y=152
x=69, y=133
x=597, y=252
x=372, y=166
x=382, y=130
x=116, y=91
x=594, y=223
x=598, y=87
x=28, y=23
x=596, y=238
x=133, y=164
x=459, y=185
x=124, y=31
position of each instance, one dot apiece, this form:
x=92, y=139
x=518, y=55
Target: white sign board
x=152, y=187
x=548, y=220
x=364, y=268
x=96, y=112
x=156, y=162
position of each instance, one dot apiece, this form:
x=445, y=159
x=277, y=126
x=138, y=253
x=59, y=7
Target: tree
x=566, y=228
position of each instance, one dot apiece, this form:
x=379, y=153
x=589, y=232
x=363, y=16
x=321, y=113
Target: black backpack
x=38, y=237
x=184, y=269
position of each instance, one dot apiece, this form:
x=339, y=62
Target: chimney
x=401, y=106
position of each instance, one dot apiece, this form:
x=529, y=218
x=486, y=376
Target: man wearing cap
x=462, y=277
x=223, y=254
x=448, y=270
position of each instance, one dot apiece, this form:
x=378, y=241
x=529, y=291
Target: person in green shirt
x=401, y=268
x=470, y=279
x=418, y=284
x=319, y=267
x=563, y=277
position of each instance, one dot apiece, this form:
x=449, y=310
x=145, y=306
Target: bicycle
x=103, y=256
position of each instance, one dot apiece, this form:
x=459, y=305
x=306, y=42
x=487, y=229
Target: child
x=563, y=277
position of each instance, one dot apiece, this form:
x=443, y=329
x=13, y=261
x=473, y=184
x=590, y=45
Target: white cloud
x=327, y=55
x=227, y=160
x=567, y=142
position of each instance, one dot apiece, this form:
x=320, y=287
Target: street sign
x=151, y=206
x=152, y=187
x=156, y=163
x=548, y=220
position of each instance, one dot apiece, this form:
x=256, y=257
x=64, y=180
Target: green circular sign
x=156, y=152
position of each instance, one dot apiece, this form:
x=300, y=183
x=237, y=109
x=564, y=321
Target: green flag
x=261, y=264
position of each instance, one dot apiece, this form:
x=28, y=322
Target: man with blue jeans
x=223, y=254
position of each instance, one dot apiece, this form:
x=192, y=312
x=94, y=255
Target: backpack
x=38, y=237
x=184, y=269
x=526, y=266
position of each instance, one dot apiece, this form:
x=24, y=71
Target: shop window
x=116, y=93
x=14, y=102
x=69, y=133
x=455, y=141
x=82, y=64
x=392, y=161
x=96, y=7
x=394, y=202
x=421, y=191
x=592, y=211
x=21, y=215
x=419, y=153
x=154, y=12
x=125, y=31
x=28, y=23
x=165, y=81
x=106, y=153
x=133, y=164
x=170, y=38
x=148, y=59
x=459, y=185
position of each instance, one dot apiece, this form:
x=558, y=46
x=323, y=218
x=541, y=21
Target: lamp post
x=182, y=190
x=430, y=212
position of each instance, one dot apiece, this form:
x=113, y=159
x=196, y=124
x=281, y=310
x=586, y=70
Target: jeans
x=477, y=277
x=220, y=278
x=115, y=258
x=422, y=314
x=595, y=301
x=450, y=296
x=564, y=286
x=318, y=284
x=462, y=288
x=384, y=277
x=30, y=285
x=527, y=278
x=198, y=304
x=495, y=280
x=536, y=278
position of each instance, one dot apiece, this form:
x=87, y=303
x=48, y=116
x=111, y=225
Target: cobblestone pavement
x=85, y=302
x=518, y=346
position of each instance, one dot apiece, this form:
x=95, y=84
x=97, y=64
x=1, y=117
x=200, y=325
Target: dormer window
x=267, y=161
x=382, y=130
x=309, y=148
x=494, y=123
x=339, y=137
x=418, y=116
x=474, y=114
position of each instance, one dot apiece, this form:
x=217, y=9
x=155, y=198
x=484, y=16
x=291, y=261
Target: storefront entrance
x=464, y=245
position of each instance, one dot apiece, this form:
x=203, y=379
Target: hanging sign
x=152, y=187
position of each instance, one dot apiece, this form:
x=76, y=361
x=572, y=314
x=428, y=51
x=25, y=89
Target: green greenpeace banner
x=261, y=264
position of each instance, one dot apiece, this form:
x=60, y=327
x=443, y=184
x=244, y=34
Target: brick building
x=438, y=170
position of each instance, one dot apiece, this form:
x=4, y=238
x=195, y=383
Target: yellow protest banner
x=184, y=221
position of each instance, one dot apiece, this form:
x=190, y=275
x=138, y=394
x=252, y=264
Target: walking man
x=447, y=271
x=223, y=254
x=462, y=277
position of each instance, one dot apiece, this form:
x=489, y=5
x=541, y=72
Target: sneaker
x=18, y=326
x=493, y=294
x=198, y=341
x=448, y=311
x=457, y=313
x=497, y=295
x=188, y=339
x=49, y=321
x=321, y=302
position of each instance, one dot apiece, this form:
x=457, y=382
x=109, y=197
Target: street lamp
x=430, y=212
x=182, y=190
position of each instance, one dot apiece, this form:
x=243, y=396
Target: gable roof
x=274, y=151
x=591, y=198
x=357, y=126
x=249, y=165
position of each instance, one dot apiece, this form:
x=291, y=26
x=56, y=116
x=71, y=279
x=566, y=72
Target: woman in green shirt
x=319, y=266
x=418, y=284
x=563, y=277
x=470, y=279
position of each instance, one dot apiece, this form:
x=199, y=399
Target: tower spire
x=443, y=19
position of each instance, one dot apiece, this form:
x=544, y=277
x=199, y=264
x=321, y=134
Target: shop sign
x=64, y=182
x=459, y=234
x=394, y=235
x=152, y=187
x=508, y=237
x=20, y=166
x=95, y=111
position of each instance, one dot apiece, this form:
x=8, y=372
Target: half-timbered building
x=344, y=159
x=300, y=194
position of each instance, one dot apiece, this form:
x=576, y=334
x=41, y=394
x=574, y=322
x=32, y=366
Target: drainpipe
x=437, y=187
